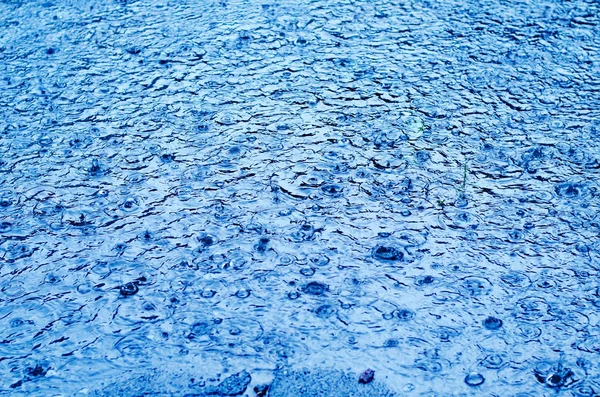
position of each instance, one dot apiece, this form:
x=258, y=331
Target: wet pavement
x=197, y=193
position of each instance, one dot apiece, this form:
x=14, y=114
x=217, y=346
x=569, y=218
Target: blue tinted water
x=195, y=189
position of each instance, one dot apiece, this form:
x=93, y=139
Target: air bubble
x=474, y=379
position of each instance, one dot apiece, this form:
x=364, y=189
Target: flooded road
x=197, y=196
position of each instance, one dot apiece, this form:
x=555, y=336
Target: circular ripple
x=194, y=327
x=445, y=295
x=235, y=331
x=318, y=259
x=531, y=308
x=133, y=349
x=475, y=286
x=494, y=361
x=48, y=208
x=23, y=326
x=515, y=279
x=8, y=200
x=130, y=204
x=527, y=332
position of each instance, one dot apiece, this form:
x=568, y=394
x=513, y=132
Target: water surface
x=192, y=189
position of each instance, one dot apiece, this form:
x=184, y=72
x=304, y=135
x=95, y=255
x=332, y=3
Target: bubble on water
x=130, y=204
x=129, y=289
x=206, y=240
x=52, y=278
x=96, y=168
x=515, y=236
x=422, y=156
x=492, y=323
x=474, y=379
x=262, y=245
x=119, y=248
x=307, y=271
x=553, y=375
x=80, y=141
x=384, y=253
x=167, y=157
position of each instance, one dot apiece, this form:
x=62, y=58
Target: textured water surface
x=196, y=191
